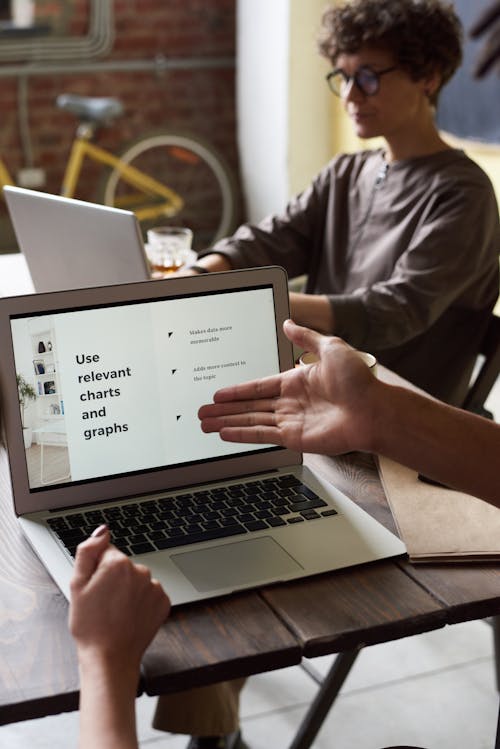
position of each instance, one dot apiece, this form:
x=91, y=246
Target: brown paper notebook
x=438, y=524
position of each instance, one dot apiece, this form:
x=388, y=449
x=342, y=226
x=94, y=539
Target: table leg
x=324, y=699
x=495, y=623
x=497, y=739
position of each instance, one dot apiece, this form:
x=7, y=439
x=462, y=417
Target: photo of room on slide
x=41, y=401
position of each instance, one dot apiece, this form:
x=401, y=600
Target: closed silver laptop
x=72, y=244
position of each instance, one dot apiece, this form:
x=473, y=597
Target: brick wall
x=201, y=101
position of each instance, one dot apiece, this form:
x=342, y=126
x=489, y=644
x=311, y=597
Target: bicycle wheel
x=189, y=167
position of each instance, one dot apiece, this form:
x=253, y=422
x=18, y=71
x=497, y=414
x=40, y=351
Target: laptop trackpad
x=236, y=564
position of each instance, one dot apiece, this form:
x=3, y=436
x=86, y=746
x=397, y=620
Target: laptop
x=119, y=374
x=70, y=244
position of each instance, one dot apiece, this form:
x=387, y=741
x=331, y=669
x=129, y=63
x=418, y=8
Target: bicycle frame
x=5, y=178
x=171, y=203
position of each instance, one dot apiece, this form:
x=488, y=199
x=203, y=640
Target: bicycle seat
x=98, y=109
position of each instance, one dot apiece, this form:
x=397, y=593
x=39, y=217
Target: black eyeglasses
x=366, y=79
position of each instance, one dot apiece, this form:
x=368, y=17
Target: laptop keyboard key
x=176, y=532
x=210, y=525
x=246, y=517
x=269, y=495
x=289, y=481
x=75, y=521
x=261, y=514
x=124, y=549
x=307, y=504
x=72, y=536
x=275, y=522
x=310, y=514
x=209, y=516
x=137, y=538
x=256, y=525
x=143, y=548
x=306, y=491
x=156, y=535
x=192, y=529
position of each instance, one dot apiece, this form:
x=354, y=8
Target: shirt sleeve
x=290, y=239
x=452, y=259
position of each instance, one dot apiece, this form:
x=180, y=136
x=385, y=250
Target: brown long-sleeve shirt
x=407, y=254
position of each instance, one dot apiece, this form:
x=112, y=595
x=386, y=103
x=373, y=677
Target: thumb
x=305, y=338
x=88, y=555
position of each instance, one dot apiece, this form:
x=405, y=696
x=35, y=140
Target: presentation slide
x=126, y=381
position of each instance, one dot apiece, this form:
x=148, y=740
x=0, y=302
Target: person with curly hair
x=399, y=244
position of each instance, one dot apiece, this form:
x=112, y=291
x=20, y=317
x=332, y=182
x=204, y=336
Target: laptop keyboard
x=205, y=515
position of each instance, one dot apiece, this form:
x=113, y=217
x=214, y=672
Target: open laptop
x=71, y=244
x=119, y=373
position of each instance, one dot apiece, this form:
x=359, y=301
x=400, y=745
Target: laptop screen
x=115, y=388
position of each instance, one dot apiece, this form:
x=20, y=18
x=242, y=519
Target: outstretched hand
x=320, y=408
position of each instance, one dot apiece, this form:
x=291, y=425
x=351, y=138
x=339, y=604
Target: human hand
x=116, y=608
x=327, y=407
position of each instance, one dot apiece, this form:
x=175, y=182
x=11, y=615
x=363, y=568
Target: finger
x=309, y=340
x=267, y=387
x=113, y=558
x=238, y=420
x=212, y=410
x=164, y=604
x=256, y=435
x=143, y=571
x=88, y=556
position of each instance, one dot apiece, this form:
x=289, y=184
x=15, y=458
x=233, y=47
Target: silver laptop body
x=72, y=244
x=119, y=374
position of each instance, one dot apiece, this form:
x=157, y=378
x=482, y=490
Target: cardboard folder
x=439, y=524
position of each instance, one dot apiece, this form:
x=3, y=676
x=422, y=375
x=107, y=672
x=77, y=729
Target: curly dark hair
x=425, y=36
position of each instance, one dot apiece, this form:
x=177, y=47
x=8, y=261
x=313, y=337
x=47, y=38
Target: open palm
x=308, y=409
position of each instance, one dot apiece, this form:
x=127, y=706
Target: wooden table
x=238, y=635
x=241, y=634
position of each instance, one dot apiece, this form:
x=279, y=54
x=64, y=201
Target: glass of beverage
x=23, y=13
x=169, y=248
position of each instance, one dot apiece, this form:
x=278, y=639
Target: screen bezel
x=27, y=500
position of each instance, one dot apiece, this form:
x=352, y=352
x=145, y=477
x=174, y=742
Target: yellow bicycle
x=162, y=176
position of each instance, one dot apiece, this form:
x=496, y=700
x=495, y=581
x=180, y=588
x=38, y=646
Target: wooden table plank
x=221, y=639
x=346, y=609
x=468, y=591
